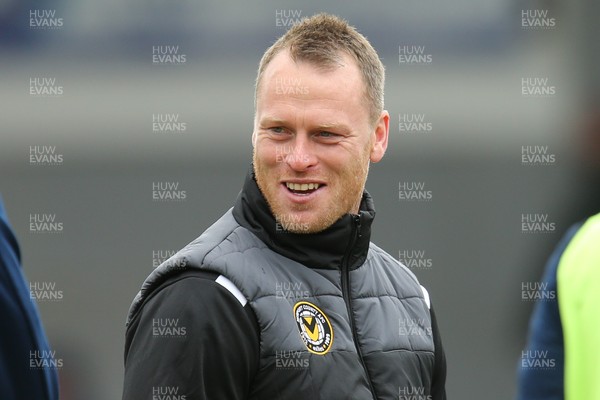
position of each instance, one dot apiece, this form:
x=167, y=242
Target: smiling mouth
x=302, y=189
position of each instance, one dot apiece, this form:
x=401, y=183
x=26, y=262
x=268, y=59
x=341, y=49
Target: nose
x=301, y=156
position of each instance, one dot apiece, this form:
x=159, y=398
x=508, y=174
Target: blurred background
x=494, y=118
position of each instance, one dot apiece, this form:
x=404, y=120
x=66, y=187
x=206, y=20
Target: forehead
x=304, y=83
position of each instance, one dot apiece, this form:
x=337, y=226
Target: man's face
x=313, y=141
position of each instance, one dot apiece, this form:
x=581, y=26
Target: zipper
x=356, y=233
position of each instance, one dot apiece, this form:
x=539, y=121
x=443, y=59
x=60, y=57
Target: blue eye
x=327, y=134
x=276, y=129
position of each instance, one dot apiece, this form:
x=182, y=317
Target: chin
x=312, y=223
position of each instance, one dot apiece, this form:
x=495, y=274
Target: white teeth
x=302, y=187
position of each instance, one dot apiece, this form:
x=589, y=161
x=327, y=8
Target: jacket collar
x=346, y=242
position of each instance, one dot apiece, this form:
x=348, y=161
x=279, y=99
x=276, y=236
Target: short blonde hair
x=321, y=40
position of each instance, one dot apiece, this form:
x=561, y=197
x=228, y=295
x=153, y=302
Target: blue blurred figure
x=22, y=333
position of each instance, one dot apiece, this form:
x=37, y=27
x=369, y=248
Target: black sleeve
x=191, y=338
x=438, y=385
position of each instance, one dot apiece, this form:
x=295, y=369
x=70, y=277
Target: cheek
x=265, y=153
x=340, y=158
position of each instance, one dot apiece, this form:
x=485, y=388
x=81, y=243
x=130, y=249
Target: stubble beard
x=349, y=187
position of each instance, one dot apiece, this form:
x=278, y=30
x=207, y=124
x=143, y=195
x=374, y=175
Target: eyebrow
x=333, y=125
x=323, y=126
x=272, y=121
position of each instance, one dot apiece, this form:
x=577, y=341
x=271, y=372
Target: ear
x=381, y=134
x=254, y=139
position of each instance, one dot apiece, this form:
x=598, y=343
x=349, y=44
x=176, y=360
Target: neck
x=325, y=249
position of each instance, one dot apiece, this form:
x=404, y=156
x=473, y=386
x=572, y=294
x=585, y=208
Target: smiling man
x=285, y=297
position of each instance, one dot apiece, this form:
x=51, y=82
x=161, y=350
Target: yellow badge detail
x=314, y=327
